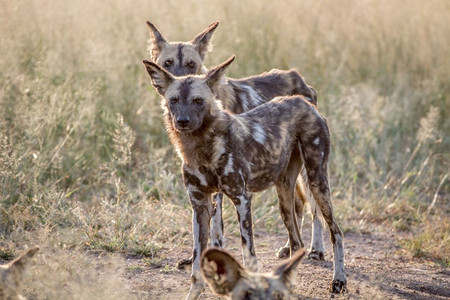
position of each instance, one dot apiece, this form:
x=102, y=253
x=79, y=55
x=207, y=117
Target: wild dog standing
x=11, y=275
x=238, y=96
x=241, y=154
x=226, y=276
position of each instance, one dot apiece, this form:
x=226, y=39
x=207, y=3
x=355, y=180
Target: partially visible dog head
x=189, y=101
x=11, y=275
x=227, y=277
x=180, y=58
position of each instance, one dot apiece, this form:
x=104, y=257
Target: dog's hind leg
x=316, y=251
x=321, y=193
x=303, y=196
x=316, y=157
x=287, y=210
x=285, y=189
x=299, y=199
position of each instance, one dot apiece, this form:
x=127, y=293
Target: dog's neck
x=202, y=146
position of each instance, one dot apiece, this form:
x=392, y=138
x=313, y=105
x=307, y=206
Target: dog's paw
x=184, y=263
x=316, y=255
x=338, y=287
x=284, y=252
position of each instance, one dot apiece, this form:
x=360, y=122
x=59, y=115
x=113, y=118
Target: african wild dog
x=180, y=58
x=227, y=277
x=238, y=96
x=241, y=154
x=11, y=275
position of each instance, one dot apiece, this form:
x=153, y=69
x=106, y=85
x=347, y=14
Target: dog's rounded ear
x=160, y=78
x=220, y=270
x=156, y=42
x=215, y=75
x=286, y=269
x=202, y=41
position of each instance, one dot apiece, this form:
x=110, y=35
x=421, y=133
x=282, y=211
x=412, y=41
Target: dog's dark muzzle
x=183, y=122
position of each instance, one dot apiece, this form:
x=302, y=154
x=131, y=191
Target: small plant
x=6, y=254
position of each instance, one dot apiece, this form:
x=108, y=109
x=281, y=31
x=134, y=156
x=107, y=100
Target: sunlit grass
x=85, y=161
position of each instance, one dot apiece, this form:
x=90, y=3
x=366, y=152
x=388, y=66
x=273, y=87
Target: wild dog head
x=188, y=101
x=227, y=277
x=180, y=58
x=11, y=275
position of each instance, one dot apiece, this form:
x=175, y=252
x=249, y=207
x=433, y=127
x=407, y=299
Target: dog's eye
x=168, y=63
x=174, y=100
x=191, y=64
x=198, y=100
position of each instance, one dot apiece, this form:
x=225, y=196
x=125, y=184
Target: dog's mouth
x=184, y=129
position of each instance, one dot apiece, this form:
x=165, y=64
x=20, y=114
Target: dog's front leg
x=216, y=233
x=244, y=213
x=201, y=216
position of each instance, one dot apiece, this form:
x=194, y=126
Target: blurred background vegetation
x=85, y=162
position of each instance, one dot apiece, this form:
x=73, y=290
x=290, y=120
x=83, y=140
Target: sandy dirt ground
x=375, y=267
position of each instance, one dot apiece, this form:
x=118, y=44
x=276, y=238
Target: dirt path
x=374, y=264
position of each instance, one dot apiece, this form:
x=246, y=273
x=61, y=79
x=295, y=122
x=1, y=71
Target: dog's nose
x=183, y=121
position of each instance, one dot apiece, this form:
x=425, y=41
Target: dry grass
x=85, y=162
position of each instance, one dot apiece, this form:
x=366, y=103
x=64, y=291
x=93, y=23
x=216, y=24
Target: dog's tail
x=303, y=191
